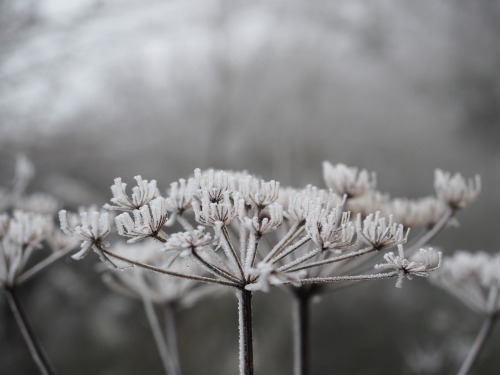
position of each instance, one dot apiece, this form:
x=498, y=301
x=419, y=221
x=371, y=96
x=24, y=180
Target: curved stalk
x=34, y=346
x=476, y=348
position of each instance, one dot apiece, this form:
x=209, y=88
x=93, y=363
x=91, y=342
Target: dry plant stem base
x=29, y=336
x=301, y=332
x=166, y=356
x=245, y=331
x=476, y=348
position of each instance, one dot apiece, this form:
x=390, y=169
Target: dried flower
x=142, y=194
x=148, y=221
x=472, y=277
x=381, y=235
x=330, y=229
x=420, y=266
x=186, y=242
x=268, y=220
x=91, y=229
x=350, y=181
x=258, y=193
x=456, y=191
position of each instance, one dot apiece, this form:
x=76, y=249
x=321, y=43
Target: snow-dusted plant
x=249, y=234
x=26, y=228
x=157, y=292
x=475, y=279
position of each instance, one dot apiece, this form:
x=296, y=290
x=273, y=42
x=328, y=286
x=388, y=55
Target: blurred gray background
x=95, y=89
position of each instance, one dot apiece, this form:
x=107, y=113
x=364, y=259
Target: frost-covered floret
x=223, y=210
x=267, y=274
x=210, y=184
x=420, y=266
x=186, y=242
x=330, y=229
x=350, y=181
x=380, y=234
x=148, y=221
x=19, y=236
x=268, y=220
x=413, y=213
x=179, y=197
x=301, y=202
x=142, y=194
x=456, y=191
x=91, y=230
x=258, y=193
x=472, y=277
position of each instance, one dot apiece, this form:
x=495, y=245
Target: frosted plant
x=24, y=172
x=143, y=193
x=455, y=190
x=381, y=235
x=91, y=230
x=26, y=228
x=155, y=292
x=348, y=180
x=475, y=279
x=420, y=266
x=249, y=234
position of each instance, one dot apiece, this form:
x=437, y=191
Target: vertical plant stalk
x=161, y=343
x=171, y=334
x=34, y=346
x=301, y=333
x=476, y=348
x=245, y=331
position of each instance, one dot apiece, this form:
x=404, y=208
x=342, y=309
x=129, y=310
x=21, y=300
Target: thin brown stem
x=354, y=254
x=166, y=272
x=34, y=346
x=232, y=251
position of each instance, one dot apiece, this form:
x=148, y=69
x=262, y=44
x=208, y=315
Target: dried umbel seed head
x=419, y=266
x=379, y=233
x=142, y=194
x=91, y=230
x=350, y=181
x=472, y=277
x=456, y=191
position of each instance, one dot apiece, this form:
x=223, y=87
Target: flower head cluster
x=472, y=277
x=330, y=229
x=20, y=235
x=142, y=194
x=419, y=266
x=350, y=181
x=380, y=234
x=184, y=243
x=414, y=213
x=456, y=191
x=147, y=221
x=91, y=229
